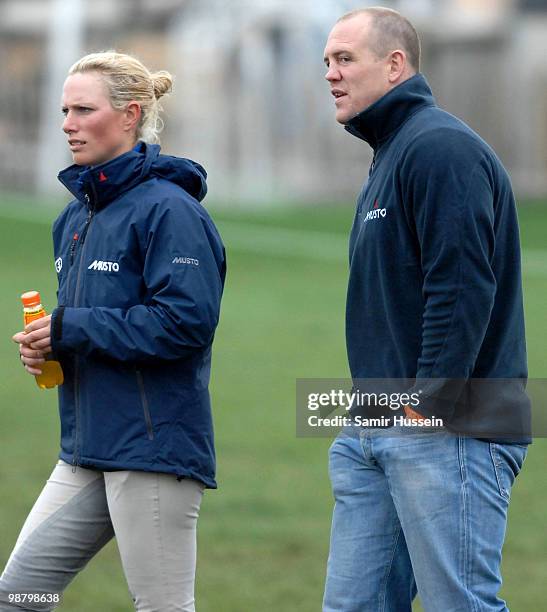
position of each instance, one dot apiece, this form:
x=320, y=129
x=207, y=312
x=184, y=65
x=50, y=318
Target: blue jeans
x=417, y=512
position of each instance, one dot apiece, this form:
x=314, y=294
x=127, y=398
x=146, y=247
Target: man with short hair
x=434, y=298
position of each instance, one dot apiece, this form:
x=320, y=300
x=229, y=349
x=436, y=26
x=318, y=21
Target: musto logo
x=375, y=213
x=104, y=266
x=189, y=261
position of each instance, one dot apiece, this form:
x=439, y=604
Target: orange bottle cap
x=31, y=298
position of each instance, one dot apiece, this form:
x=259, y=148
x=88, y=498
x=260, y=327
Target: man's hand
x=34, y=342
x=412, y=414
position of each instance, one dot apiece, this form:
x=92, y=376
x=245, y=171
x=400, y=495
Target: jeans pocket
x=507, y=460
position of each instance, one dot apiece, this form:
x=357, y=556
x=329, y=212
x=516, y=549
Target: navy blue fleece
x=435, y=281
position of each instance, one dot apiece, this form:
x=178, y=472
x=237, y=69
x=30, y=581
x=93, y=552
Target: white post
x=64, y=44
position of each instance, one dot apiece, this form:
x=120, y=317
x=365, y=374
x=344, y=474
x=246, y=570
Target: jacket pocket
x=144, y=403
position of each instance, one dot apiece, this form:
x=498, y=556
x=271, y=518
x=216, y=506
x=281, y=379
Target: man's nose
x=333, y=74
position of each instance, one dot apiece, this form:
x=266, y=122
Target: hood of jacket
x=96, y=186
x=379, y=120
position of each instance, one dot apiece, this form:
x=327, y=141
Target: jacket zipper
x=145, y=407
x=77, y=359
x=371, y=169
x=76, y=411
x=73, y=247
x=362, y=199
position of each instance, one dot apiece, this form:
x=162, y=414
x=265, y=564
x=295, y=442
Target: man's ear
x=397, y=65
x=132, y=116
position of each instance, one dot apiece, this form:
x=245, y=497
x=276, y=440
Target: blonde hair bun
x=162, y=82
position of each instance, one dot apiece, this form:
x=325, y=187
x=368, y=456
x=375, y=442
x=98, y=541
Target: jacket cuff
x=57, y=326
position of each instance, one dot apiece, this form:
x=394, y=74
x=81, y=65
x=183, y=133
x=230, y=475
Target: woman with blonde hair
x=141, y=272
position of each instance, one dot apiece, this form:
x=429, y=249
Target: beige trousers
x=153, y=517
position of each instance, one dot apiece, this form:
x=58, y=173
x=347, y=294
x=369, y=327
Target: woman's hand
x=34, y=343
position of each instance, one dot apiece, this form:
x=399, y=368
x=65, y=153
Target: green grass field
x=263, y=536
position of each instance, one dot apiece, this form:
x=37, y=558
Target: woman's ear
x=133, y=113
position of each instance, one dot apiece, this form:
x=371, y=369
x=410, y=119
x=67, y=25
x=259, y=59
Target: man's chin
x=344, y=117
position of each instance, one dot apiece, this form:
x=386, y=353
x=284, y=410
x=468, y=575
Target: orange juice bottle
x=52, y=373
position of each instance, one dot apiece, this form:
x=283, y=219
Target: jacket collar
x=378, y=121
x=96, y=186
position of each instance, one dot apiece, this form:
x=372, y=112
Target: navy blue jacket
x=434, y=290
x=141, y=271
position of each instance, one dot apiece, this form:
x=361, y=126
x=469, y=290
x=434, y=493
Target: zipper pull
x=86, y=226
x=372, y=164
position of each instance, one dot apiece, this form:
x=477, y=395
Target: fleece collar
x=378, y=121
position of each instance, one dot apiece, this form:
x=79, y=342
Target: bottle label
x=32, y=315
